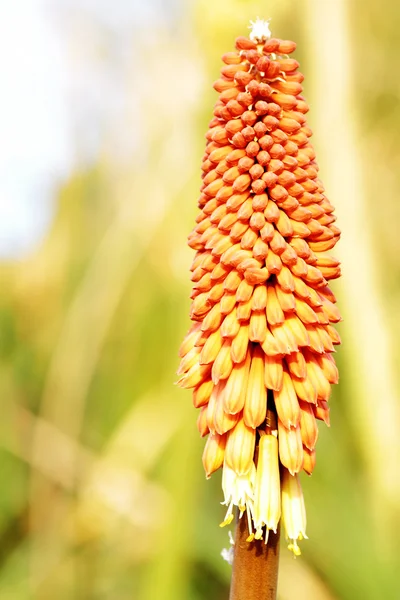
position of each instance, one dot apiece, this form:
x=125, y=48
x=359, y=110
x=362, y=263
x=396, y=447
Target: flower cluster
x=262, y=339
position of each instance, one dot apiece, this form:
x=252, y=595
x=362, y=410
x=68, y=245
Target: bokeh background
x=104, y=106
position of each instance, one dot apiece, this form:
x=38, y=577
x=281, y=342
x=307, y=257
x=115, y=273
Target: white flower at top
x=260, y=30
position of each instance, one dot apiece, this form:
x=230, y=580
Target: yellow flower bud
x=267, y=497
x=293, y=510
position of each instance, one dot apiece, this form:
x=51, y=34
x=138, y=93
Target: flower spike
x=259, y=355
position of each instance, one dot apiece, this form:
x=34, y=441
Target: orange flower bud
x=287, y=405
x=290, y=447
x=222, y=421
x=255, y=405
x=211, y=348
x=240, y=446
x=223, y=364
x=202, y=421
x=273, y=373
x=236, y=386
x=202, y=393
x=213, y=455
x=308, y=426
x=309, y=460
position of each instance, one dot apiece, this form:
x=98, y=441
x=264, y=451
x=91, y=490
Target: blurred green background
x=103, y=492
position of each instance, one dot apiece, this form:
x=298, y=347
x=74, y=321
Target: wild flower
x=262, y=340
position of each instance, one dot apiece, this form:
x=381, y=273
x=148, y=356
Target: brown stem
x=255, y=565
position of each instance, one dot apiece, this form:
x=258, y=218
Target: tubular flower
x=293, y=510
x=262, y=337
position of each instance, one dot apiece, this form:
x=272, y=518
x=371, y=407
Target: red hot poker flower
x=259, y=353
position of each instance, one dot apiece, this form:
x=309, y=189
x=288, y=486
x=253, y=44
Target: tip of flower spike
x=260, y=31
